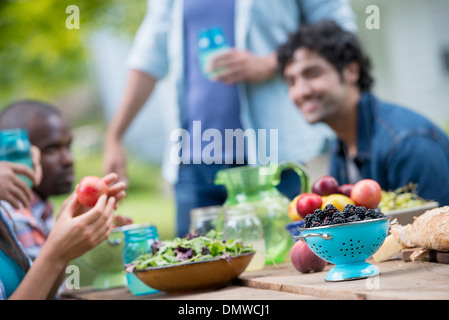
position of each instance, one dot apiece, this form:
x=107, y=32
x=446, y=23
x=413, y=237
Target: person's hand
x=36, y=160
x=116, y=188
x=114, y=160
x=74, y=233
x=12, y=188
x=242, y=65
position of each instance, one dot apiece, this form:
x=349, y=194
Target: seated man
x=50, y=133
x=329, y=80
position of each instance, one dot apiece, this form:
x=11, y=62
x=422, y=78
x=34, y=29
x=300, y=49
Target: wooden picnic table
x=398, y=280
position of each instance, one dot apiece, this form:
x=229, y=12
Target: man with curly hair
x=329, y=80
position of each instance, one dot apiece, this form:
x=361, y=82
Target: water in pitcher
x=258, y=261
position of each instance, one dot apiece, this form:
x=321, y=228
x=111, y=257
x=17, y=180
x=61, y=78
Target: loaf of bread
x=430, y=230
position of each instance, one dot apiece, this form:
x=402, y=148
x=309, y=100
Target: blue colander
x=347, y=245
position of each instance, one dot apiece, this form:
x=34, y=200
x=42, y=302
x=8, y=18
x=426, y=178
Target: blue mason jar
x=138, y=241
x=16, y=147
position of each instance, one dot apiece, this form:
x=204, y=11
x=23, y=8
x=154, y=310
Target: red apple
x=325, y=186
x=90, y=189
x=366, y=193
x=304, y=260
x=345, y=189
x=307, y=203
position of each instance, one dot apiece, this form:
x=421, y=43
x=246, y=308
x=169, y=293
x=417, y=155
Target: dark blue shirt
x=215, y=104
x=396, y=146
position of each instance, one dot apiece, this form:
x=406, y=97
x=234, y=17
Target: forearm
x=271, y=64
x=57, y=284
x=138, y=89
x=40, y=279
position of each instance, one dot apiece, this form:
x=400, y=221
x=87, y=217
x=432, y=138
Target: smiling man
x=329, y=80
x=50, y=132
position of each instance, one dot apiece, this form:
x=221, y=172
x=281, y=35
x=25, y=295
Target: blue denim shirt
x=397, y=146
x=260, y=27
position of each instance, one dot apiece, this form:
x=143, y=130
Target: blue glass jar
x=16, y=147
x=211, y=43
x=138, y=241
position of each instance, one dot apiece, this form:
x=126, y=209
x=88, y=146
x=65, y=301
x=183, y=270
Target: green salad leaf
x=193, y=247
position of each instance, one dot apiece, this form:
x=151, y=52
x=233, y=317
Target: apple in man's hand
x=90, y=189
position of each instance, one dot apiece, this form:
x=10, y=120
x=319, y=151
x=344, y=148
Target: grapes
x=401, y=198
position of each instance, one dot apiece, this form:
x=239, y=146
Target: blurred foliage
x=40, y=57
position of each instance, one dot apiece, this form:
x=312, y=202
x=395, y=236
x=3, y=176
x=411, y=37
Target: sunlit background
x=82, y=72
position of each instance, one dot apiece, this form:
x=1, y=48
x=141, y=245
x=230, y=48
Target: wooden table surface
x=398, y=280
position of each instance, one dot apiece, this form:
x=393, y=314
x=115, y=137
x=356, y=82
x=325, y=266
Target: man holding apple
x=329, y=81
x=48, y=131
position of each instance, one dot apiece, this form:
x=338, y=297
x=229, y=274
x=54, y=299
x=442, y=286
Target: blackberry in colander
x=360, y=211
x=330, y=209
x=319, y=215
x=308, y=220
x=373, y=214
x=330, y=215
x=349, y=210
x=338, y=218
x=353, y=218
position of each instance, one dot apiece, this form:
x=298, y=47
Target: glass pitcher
x=246, y=227
x=255, y=186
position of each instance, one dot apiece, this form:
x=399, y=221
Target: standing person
x=247, y=94
x=329, y=80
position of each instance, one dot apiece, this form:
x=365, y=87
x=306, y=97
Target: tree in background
x=39, y=57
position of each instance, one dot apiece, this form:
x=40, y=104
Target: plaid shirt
x=31, y=227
